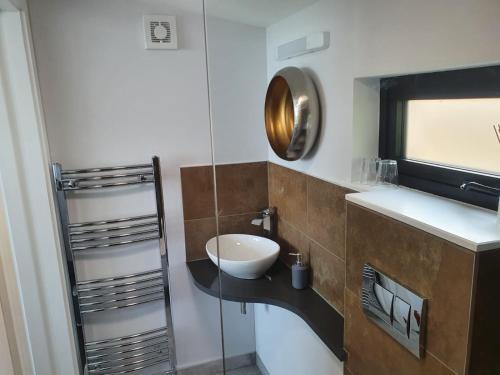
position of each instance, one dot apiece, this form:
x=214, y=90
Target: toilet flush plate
x=394, y=308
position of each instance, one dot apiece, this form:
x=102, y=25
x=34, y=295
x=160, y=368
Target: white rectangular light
x=308, y=44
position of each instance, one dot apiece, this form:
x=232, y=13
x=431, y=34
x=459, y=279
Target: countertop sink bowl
x=243, y=255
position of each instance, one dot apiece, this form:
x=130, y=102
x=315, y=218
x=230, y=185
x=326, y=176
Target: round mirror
x=291, y=113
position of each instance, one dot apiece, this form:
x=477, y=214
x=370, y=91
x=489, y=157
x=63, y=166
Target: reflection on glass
x=462, y=133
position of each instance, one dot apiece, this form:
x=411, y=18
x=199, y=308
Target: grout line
x=338, y=258
x=307, y=204
x=329, y=303
x=340, y=184
x=209, y=165
x=328, y=251
x=269, y=185
x=311, y=239
x=441, y=362
x=201, y=218
x=242, y=214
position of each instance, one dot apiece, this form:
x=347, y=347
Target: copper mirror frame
x=292, y=113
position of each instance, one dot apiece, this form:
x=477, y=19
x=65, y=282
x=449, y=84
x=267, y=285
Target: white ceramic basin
x=242, y=255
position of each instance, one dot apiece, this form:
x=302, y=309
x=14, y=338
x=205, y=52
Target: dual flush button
x=396, y=312
x=394, y=308
x=401, y=316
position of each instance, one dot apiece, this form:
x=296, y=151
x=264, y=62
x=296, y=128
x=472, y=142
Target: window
x=444, y=130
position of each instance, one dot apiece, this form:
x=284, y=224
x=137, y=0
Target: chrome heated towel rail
x=141, y=350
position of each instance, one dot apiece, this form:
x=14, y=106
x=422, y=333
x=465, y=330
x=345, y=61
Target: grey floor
x=251, y=370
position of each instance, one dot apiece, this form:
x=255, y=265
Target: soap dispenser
x=300, y=272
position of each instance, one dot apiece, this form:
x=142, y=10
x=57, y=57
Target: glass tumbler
x=369, y=168
x=387, y=172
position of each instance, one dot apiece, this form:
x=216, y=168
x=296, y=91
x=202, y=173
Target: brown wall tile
x=372, y=352
x=242, y=191
x=245, y=189
x=241, y=188
x=432, y=267
x=197, y=233
x=287, y=192
x=239, y=224
x=328, y=275
x=197, y=192
x=311, y=220
x=326, y=215
x=485, y=338
x=291, y=240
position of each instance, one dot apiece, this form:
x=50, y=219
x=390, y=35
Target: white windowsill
x=468, y=226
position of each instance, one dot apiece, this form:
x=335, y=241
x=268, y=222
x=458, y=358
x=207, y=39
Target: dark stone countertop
x=323, y=319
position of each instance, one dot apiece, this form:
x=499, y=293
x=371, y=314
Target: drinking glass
x=387, y=172
x=368, y=173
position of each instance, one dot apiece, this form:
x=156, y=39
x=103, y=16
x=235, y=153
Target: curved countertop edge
x=276, y=290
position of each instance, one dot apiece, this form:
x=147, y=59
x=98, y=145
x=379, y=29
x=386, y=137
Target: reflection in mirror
x=291, y=113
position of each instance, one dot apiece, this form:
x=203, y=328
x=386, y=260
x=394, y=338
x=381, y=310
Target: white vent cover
x=308, y=44
x=160, y=32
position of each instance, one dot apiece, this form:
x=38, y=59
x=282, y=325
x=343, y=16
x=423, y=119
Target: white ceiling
x=260, y=13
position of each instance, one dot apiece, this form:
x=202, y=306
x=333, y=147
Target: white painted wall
x=13, y=5
x=108, y=101
x=400, y=37
x=373, y=39
x=286, y=345
x=237, y=72
x=331, y=70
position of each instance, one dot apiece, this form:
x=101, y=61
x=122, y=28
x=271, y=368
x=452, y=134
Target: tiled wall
x=433, y=268
x=311, y=216
x=311, y=220
x=241, y=194
x=462, y=332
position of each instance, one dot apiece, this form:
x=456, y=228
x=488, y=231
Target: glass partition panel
x=238, y=59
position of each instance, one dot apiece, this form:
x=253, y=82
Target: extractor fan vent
x=160, y=32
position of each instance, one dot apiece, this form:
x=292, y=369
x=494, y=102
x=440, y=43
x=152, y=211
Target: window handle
x=480, y=188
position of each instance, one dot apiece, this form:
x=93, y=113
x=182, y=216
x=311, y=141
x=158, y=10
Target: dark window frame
x=457, y=84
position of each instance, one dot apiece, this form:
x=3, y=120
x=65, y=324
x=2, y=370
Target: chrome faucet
x=267, y=221
x=480, y=188
x=485, y=189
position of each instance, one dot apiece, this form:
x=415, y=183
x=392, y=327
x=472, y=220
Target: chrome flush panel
x=394, y=308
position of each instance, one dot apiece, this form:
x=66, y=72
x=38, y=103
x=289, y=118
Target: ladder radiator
x=135, y=352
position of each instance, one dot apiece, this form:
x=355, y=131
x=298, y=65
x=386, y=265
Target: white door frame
x=15, y=357
x=33, y=266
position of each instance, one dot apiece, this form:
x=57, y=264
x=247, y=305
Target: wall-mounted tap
x=485, y=189
x=480, y=188
x=267, y=220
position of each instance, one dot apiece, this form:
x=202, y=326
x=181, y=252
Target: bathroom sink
x=242, y=255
